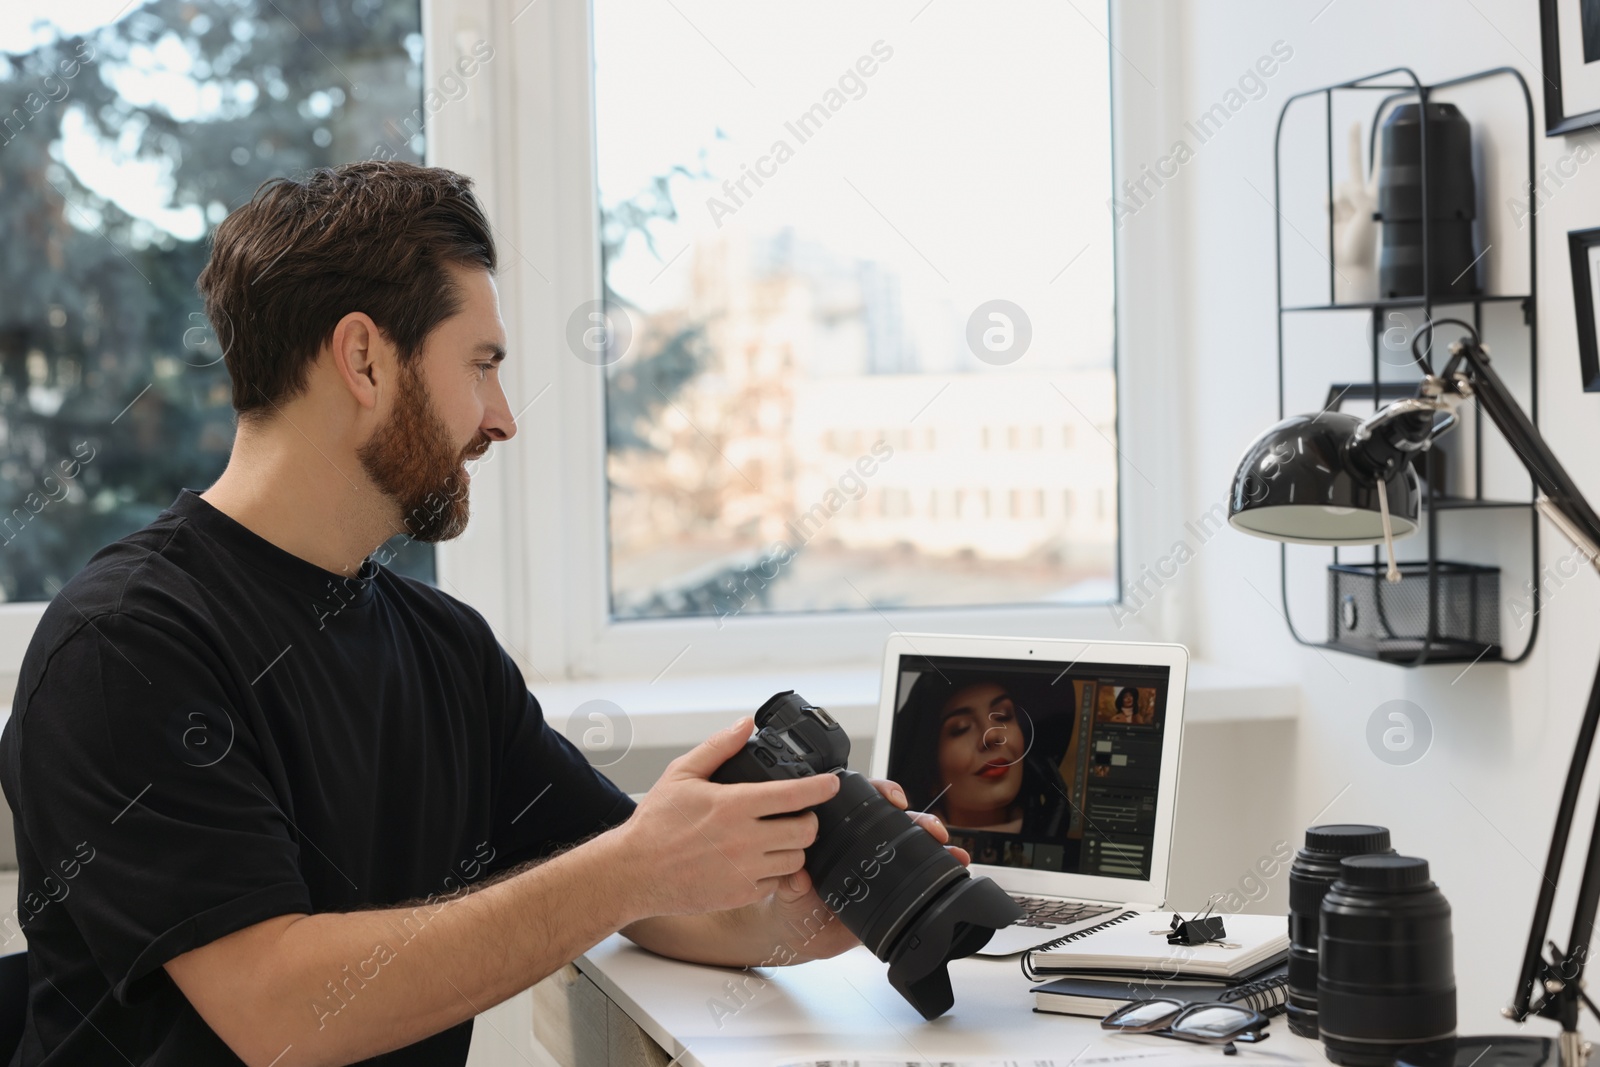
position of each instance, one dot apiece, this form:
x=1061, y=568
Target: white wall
x=1480, y=804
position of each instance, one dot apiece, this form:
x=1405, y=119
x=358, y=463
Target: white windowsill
x=678, y=712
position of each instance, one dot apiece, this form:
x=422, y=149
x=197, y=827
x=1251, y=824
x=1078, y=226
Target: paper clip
x=1201, y=930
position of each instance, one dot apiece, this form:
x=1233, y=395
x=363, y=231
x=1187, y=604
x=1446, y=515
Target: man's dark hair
x=373, y=236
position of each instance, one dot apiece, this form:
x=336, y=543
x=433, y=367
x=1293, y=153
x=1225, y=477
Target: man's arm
x=791, y=926
x=335, y=988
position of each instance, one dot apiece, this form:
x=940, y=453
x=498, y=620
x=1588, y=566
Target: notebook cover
x=1267, y=991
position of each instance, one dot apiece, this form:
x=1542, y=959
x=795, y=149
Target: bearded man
x=277, y=805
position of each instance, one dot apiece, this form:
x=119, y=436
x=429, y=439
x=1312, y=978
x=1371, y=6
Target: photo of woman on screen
x=964, y=749
x=1127, y=703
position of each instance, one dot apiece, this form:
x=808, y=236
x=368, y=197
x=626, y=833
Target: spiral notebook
x=1135, y=943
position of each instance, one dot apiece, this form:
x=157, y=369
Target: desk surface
x=719, y=1017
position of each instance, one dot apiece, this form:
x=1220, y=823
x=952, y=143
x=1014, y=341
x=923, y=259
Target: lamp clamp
x=1411, y=405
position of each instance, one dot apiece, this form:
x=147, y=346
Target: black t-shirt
x=209, y=732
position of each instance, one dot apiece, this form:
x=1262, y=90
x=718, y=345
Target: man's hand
x=796, y=899
x=705, y=846
x=762, y=933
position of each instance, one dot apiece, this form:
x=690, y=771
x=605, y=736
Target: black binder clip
x=1202, y=929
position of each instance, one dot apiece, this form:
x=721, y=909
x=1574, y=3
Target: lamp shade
x=1299, y=482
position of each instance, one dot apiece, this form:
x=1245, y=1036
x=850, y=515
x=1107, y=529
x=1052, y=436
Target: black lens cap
x=1502, y=1050
x=1347, y=839
x=1383, y=871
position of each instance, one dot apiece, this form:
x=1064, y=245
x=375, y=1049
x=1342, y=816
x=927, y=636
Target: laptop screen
x=1049, y=766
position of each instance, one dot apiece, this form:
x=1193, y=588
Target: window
x=122, y=144
x=825, y=226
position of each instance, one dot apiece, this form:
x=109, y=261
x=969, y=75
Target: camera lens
x=901, y=893
x=1315, y=868
x=1386, y=969
x=883, y=865
x=886, y=878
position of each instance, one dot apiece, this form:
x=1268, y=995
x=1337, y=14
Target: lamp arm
x=1560, y=982
x=1524, y=437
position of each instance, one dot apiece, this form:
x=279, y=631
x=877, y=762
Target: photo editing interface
x=1050, y=766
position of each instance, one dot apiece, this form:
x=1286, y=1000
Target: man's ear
x=361, y=357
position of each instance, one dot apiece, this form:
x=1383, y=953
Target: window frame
x=535, y=560
x=566, y=553
x=449, y=28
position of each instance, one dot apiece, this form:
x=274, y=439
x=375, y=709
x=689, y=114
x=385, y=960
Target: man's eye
x=483, y=370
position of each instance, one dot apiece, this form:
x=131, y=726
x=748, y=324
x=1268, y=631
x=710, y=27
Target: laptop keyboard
x=1047, y=913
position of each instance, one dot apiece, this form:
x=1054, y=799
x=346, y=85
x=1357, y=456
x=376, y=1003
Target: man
x=275, y=804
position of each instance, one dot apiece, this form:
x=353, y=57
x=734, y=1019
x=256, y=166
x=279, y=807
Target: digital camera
x=896, y=888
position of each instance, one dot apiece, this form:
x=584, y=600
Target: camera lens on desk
x=1315, y=868
x=1386, y=968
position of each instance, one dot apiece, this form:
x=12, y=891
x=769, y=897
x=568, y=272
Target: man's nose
x=498, y=423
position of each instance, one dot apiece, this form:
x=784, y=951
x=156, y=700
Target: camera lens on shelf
x=1386, y=983
x=1315, y=868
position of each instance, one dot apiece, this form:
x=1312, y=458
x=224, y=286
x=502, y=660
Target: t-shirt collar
x=336, y=590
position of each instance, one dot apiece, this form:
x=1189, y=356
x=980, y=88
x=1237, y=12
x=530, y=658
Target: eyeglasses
x=1208, y=1024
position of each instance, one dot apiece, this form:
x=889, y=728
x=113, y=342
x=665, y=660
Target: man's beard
x=414, y=461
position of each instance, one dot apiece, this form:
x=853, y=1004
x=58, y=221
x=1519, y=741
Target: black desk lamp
x=1333, y=479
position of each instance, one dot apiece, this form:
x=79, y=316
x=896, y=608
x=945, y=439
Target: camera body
x=792, y=739
x=886, y=878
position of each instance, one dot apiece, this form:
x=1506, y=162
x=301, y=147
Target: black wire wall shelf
x=1411, y=302
x=1432, y=644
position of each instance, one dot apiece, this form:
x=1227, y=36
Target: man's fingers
x=783, y=862
x=932, y=824
x=962, y=856
x=794, y=887
x=777, y=798
x=713, y=752
x=795, y=831
x=891, y=791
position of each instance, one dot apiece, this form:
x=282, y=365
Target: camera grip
x=761, y=760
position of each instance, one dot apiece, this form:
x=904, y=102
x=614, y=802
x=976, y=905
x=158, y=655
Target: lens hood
x=958, y=923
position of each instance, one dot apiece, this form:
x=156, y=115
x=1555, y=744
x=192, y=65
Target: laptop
x=1053, y=762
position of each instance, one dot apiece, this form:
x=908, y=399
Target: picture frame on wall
x=1569, y=32
x=1585, y=248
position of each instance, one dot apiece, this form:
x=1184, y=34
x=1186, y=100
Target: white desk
x=845, y=1005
